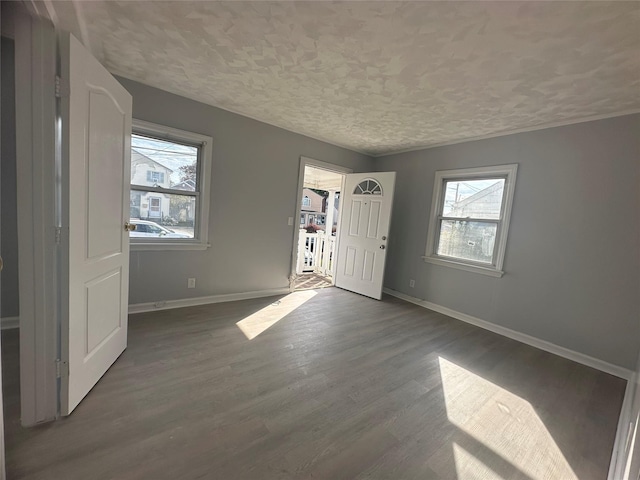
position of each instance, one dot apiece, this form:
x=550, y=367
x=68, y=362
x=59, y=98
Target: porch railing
x=316, y=253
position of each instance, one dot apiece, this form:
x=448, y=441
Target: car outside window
x=170, y=187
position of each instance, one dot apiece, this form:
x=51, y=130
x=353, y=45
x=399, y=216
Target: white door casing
x=97, y=114
x=35, y=48
x=364, y=232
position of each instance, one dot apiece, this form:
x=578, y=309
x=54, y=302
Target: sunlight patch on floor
x=258, y=322
x=471, y=465
x=498, y=430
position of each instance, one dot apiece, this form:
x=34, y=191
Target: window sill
x=491, y=272
x=138, y=246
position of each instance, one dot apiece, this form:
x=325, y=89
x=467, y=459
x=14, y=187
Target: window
x=368, y=187
x=170, y=180
x=469, y=219
x=306, y=201
x=155, y=177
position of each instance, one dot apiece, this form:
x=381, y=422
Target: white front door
x=98, y=138
x=154, y=207
x=364, y=232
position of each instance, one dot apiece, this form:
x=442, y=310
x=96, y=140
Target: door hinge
x=62, y=87
x=62, y=369
x=58, y=235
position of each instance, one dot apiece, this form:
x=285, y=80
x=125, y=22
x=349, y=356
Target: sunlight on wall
x=501, y=433
x=258, y=322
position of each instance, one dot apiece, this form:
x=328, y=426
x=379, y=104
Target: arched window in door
x=368, y=187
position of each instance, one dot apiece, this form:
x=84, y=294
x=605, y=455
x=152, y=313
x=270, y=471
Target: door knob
x=382, y=247
x=129, y=227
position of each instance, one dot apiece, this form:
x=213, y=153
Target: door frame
x=38, y=203
x=304, y=161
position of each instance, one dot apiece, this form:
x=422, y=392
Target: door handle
x=382, y=247
x=129, y=227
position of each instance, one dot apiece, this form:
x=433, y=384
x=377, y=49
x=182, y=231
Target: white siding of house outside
x=141, y=172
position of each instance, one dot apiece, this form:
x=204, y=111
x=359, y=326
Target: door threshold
x=311, y=281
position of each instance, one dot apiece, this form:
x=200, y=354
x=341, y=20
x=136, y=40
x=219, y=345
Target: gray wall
x=8, y=229
x=255, y=181
x=572, y=261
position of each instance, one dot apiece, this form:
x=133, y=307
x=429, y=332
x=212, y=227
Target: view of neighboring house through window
x=470, y=216
x=166, y=185
x=314, y=209
x=469, y=224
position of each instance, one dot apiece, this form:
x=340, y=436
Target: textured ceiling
x=377, y=77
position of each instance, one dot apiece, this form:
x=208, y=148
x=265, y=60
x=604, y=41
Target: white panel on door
x=104, y=222
x=367, y=270
x=106, y=312
x=350, y=261
x=354, y=223
x=374, y=219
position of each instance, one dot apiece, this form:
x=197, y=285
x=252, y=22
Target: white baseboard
x=520, y=337
x=9, y=322
x=190, y=302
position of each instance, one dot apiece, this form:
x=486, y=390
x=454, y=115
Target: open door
x=363, y=233
x=96, y=119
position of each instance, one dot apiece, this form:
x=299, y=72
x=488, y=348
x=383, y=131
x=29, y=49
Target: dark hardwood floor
x=342, y=387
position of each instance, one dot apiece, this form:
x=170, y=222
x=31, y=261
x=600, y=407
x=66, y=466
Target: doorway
x=316, y=225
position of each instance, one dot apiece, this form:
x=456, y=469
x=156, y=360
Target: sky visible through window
x=460, y=190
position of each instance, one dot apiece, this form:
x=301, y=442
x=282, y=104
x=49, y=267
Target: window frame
x=495, y=268
x=202, y=193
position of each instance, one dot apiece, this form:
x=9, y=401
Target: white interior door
x=98, y=164
x=364, y=231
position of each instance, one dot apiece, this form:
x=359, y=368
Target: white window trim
x=202, y=233
x=494, y=270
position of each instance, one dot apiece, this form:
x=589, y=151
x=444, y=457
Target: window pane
x=163, y=163
x=157, y=215
x=473, y=198
x=368, y=187
x=467, y=240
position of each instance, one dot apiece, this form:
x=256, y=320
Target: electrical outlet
x=412, y=283
x=290, y=221
x=191, y=283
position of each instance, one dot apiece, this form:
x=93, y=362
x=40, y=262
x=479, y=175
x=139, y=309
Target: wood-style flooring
x=341, y=387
